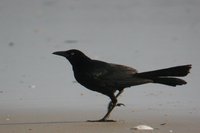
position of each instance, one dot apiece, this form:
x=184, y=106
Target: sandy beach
x=75, y=121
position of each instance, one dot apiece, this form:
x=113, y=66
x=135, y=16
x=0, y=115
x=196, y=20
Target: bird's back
x=98, y=75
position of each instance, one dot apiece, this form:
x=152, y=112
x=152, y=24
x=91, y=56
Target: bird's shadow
x=52, y=122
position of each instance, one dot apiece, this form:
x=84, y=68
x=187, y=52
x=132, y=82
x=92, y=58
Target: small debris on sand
x=142, y=127
x=163, y=124
x=11, y=44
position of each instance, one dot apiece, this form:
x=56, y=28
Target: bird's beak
x=60, y=53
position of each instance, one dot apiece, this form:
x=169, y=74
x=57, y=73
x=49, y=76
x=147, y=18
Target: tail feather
x=178, y=71
x=170, y=81
x=166, y=76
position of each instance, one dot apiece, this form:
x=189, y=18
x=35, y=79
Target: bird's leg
x=118, y=104
x=104, y=119
x=113, y=103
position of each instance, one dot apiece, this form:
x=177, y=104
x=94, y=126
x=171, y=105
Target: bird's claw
x=101, y=120
x=110, y=105
x=120, y=104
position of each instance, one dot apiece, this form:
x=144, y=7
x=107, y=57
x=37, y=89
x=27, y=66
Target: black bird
x=107, y=78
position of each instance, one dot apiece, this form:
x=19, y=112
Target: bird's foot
x=120, y=104
x=101, y=120
x=110, y=105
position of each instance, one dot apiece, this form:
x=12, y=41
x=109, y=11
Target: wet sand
x=75, y=121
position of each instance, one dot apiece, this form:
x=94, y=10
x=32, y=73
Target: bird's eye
x=72, y=53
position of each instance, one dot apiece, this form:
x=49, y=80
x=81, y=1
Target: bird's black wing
x=116, y=76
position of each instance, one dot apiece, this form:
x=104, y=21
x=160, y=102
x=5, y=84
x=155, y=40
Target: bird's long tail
x=167, y=76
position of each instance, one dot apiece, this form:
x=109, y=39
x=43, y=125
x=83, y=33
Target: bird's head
x=73, y=55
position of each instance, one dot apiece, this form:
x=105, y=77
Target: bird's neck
x=80, y=63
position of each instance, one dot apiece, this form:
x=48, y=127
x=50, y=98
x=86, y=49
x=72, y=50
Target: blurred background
x=144, y=34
